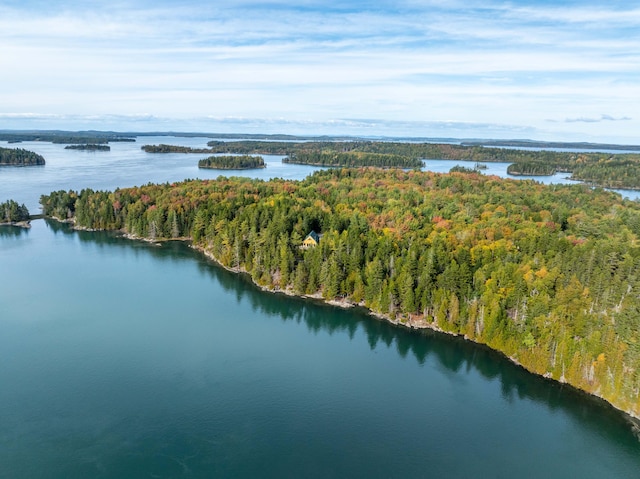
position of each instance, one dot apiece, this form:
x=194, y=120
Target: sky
x=543, y=70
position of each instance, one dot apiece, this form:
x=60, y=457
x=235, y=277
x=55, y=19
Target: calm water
x=122, y=359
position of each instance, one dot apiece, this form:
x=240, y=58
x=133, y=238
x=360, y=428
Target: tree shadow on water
x=453, y=355
x=10, y=231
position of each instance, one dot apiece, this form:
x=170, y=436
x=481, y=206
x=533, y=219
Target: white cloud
x=584, y=14
x=597, y=119
x=482, y=63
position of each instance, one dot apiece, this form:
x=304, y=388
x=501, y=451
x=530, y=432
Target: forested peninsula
x=242, y=162
x=547, y=274
x=19, y=157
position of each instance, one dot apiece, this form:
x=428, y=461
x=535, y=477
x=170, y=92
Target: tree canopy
x=352, y=159
x=241, y=162
x=12, y=212
x=531, y=168
x=162, y=148
x=19, y=157
x=88, y=147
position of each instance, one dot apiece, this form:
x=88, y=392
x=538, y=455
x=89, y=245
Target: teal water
x=123, y=359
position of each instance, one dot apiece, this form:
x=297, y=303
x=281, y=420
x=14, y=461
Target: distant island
x=19, y=157
x=465, y=169
x=531, y=168
x=352, y=159
x=88, y=147
x=462, y=169
x=11, y=213
x=241, y=162
x=162, y=148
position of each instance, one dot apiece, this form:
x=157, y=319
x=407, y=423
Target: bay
x=120, y=358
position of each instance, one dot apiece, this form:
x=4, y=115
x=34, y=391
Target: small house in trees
x=311, y=240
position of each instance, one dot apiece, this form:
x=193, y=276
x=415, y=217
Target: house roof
x=314, y=236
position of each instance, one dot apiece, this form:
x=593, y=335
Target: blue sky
x=520, y=69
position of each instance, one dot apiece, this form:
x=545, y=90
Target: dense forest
x=611, y=172
x=255, y=147
x=443, y=151
x=531, y=168
x=305, y=153
x=12, y=212
x=19, y=157
x=242, y=162
x=88, y=147
x=352, y=159
x=162, y=148
x=549, y=275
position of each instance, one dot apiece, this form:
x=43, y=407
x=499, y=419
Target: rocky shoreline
x=419, y=323
x=20, y=224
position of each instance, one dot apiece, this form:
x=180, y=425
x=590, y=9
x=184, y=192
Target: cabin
x=311, y=240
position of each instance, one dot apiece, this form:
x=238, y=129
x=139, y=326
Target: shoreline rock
x=232, y=169
x=26, y=224
x=422, y=324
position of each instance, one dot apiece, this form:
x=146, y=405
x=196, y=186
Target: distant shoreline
x=18, y=135
x=232, y=169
